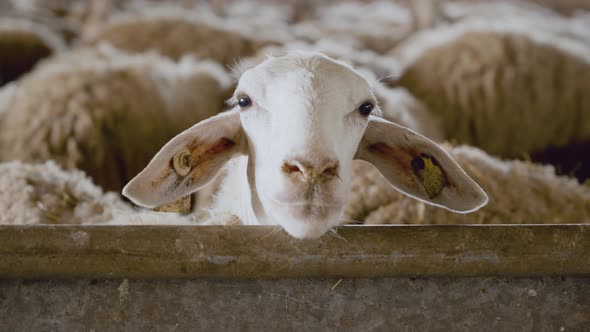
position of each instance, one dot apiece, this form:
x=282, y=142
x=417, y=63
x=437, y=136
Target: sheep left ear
x=189, y=161
x=418, y=167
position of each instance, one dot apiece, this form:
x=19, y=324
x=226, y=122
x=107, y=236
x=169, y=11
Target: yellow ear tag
x=428, y=170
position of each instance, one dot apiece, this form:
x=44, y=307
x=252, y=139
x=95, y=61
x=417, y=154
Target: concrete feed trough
x=480, y=277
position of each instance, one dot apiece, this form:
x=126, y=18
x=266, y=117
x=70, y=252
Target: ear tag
x=183, y=162
x=428, y=170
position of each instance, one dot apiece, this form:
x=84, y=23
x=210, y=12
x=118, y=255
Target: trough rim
x=247, y=252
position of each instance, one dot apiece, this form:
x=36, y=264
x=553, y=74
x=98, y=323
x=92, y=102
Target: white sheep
x=289, y=143
x=510, y=87
x=175, y=33
x=106, y=112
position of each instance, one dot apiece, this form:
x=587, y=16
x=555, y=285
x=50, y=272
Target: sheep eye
x=244, y=101
x=366, y=108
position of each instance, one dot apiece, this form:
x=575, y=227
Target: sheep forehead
x=315, y=79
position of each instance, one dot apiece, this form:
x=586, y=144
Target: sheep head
x=302, y=119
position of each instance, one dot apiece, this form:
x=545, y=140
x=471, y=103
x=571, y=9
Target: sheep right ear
x=189, y=161
x=418, y=167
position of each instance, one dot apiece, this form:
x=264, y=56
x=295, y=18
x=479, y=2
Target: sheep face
x=302, y=119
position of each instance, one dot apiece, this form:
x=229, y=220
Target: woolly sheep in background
x=502, y=85
x=106, y=112
x=175, y=33
x=378, y=26
x=46, y=194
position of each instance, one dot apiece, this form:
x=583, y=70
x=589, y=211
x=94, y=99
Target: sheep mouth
x=307, y=210
x=304, y=200
x=319, y=196
x=310, y=223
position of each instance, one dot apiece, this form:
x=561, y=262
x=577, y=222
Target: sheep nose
x=309, y=171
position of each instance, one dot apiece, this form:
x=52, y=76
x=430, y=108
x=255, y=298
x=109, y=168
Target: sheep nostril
x=291, y=168
x=331, y=170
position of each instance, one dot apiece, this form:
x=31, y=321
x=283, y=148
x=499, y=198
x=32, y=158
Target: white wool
x=105, y=55
x=176, y=81
x=45, y=193
x=457, y=10
x=259, y=13
x=378, y=25
x=387, y=12
x=537, y=30
x=200, y=13
x=175, y=32
x=23, y=5
x=535, y=17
